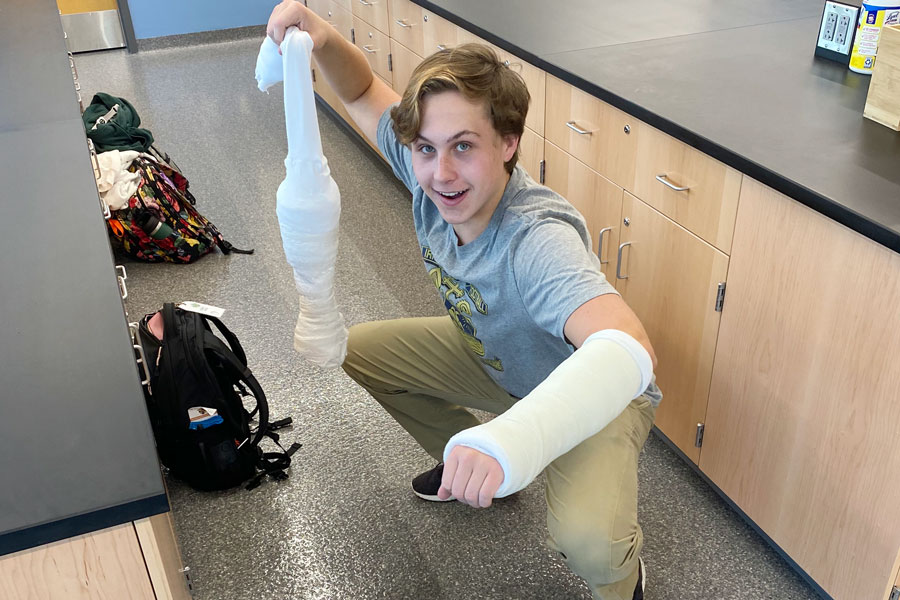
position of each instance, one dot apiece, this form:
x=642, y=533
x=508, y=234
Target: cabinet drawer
x=337, y=16
x=592, y=131
x=406, y=25
x=708, y=204
x=437, y=33
x=373, y=12
x=597, y=199
x=404, y=61
x=375, y=45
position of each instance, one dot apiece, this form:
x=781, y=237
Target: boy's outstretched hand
x=472, y=477
x=289, y=13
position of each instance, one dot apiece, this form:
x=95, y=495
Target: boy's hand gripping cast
x=308, y=202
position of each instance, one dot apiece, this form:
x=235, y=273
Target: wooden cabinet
x=670, y=278
x=138, y=560
x=531, y=153
x=373, y=12
x=376, y=46
x=688, y=186
x=403, y=62
x=597, y=199
x=602, y=137
x=803, y=417
x=406, y=25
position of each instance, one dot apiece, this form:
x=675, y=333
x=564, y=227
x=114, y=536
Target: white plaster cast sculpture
x=308, y=202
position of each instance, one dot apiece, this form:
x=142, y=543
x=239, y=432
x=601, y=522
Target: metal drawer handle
x=142, y=360
x=123, y=290
x=662, y=179
x=368, y=48
x=603, y=232
x=571, y=125
x=441, y=47
x=95, y=163
x=619, y=265
x=365, y=3
x=402, y=23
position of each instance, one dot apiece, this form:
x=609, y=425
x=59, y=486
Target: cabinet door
x=406, y=25
x=597, y=199
x=804, y=417
x=531, y=153
x=592, y=131
x=375, y=45
x=373, y=12
x=403, y=62
x=670, y=278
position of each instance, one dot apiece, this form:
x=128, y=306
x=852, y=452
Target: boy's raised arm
x=343, y=65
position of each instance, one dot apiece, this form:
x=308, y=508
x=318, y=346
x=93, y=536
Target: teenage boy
x=535, y=333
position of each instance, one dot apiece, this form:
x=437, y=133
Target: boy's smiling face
x=458, y=160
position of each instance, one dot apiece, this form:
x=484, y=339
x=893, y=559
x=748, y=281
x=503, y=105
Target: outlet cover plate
x=837, y=30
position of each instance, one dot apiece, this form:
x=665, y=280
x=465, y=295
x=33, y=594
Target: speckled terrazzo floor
x=345, y=524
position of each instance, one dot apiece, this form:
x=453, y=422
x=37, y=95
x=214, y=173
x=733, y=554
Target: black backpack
x=195, y=398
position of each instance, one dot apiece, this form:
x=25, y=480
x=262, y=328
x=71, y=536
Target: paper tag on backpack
x=203, y=309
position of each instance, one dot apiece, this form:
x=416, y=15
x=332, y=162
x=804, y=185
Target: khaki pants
x=423, y=374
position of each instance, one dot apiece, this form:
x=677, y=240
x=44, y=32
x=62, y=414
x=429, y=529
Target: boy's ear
x=510, y=143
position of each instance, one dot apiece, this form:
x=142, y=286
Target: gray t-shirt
x=511, y=290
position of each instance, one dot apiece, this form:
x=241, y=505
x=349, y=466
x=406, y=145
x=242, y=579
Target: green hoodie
x=122, y=132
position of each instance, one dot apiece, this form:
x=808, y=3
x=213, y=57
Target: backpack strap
x=215, y=345
x=273, y=463
x=229, y=337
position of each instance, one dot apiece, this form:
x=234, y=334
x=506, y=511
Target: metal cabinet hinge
x=720, y=297
x=543, y=170
x=698, y=441
x=390, y=62
x=895, y=593
x=187, y=579
x=352, y=36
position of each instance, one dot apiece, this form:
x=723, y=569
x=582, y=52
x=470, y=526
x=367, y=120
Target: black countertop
x=77, y=450
x=736, y=80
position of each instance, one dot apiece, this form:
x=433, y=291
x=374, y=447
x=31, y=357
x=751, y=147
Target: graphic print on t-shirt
x=459, y=299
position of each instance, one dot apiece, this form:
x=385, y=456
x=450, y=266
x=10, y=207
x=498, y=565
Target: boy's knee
x=360, y=343
x=365, y=348
x=597, y=554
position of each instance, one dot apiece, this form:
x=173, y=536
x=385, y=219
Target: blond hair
x=475, y=71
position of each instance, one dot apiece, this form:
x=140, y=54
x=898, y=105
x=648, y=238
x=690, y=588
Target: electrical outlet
x=837, y=30
x=843, y=27
x=830, y=24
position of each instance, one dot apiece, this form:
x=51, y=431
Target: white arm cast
x=577, y=400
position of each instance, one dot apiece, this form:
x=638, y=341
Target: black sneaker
x=641, y=582
x=426, y=485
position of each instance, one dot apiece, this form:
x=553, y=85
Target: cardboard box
x=883, y=100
